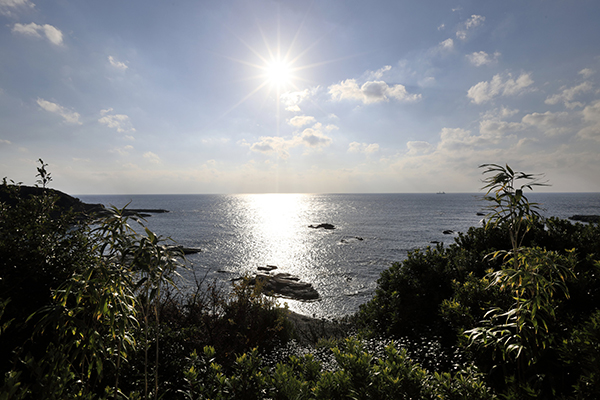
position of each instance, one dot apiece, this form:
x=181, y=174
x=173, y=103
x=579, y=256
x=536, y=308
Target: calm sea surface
x=239, y=233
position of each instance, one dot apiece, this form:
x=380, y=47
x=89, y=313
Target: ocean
x=239, y=233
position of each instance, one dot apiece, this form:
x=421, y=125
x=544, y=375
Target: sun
x=279, y=73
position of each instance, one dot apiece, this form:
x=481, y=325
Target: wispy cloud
x=480, y=58
x=122, y=151
x=418, y=147
x=117, y=64
x=69, y=116
x=152, y=157
x=445, y=46
x=120, y=122
x=567, y=95
x=591, y=116
x=12, y=7
x=379, y=73
x=473, y=22
x=366, y=148
x=54, y=35
x=587, y=72
x=292, y=100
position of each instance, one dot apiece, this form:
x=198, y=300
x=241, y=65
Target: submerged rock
x=286, y=285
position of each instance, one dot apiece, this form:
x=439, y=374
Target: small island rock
x=286, y=285
x=324, y=226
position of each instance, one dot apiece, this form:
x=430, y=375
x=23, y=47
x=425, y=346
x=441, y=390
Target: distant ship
x=441, y=193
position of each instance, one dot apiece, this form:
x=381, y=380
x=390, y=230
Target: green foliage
x=505, y=296
x=581, y=354
x=357, y=375
x=92, y=312
x=509, y=206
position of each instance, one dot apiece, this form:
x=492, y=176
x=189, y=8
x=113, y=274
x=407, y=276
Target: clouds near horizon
x=399, y=97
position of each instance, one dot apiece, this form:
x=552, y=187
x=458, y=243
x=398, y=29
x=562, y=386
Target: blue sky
x=298, y=96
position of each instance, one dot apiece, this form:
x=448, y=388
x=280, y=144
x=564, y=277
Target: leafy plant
x=509, y=206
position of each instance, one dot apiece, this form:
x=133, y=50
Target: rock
x=585, y=218
x=64, y=202
x=434, y=242
x=481, y=214
x=184, y=250
x=352, y=239
x=147, y=210
x=448, y=232
x=286, y=285
x=324, y=226
x=268, y=268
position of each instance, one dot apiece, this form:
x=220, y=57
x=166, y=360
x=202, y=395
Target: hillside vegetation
x=91, y=311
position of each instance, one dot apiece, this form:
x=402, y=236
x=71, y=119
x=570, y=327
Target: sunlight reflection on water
x=239, y=233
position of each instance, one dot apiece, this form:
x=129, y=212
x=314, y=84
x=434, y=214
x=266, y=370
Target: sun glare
x=279, y=73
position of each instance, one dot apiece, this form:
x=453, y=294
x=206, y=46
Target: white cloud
x=122, y=151
x=473, y=22
x=365, y=148
x=591, y=115
x=315, y=138
x=370, y=92
x=418, y=147
x=69, y=116
x=486, y=91
x=117, y=64
x=549, y=123
x=587, y=72
x=568, y=95
x=4, y=142
x=455, y=138
x=446, y=45
x=153, y=158
x=294, y=108
x=120, y=122
x=441, y=27
x=11, y=7
x=292, y=100
x=51, y=33
x=301, y=120
x=311, y=138
x=480, y=58
x=379, y=73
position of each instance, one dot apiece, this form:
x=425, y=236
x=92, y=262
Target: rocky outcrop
x=184, y=250
x=65, y=202
x=351, y=239
x=11, y=194
x=267, y=268
x=286, y=285
x=586, y=218
x=324, y=226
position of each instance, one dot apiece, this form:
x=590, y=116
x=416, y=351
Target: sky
x=328, y=96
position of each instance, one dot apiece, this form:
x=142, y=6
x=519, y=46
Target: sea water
x=239, y=233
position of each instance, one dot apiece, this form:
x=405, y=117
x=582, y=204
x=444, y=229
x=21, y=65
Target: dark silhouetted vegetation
x=92, y=311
